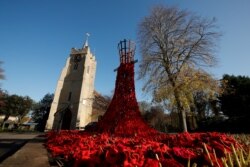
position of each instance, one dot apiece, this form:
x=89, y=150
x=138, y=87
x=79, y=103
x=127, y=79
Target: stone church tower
x=72, y=104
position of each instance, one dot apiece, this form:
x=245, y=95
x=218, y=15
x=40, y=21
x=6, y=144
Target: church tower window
x=69, y=97
x=75, y=66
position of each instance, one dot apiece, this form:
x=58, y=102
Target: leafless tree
x=1, y=71
x=1, y=91
x=171, y=39
x=100, y=105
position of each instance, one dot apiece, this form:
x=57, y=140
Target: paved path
x=31, y=154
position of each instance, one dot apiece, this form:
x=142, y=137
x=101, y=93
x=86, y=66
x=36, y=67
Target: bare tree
x=1, y=71
x=156, y=118
x=2, y=93
x=100, y=105
x=170, y=40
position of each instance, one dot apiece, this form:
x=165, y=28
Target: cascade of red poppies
x=123, y=116
x=125, y=139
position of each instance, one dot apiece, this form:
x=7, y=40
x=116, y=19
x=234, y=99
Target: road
x=11, y=142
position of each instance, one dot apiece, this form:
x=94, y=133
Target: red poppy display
x=106, y=149
x=123, y=138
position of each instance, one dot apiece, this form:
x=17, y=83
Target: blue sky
x=36, y=38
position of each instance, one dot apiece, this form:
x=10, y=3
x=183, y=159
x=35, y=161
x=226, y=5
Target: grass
x=237, y=158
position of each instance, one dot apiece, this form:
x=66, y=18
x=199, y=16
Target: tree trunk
x=181, y=112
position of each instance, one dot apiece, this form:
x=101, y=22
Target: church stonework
x=73, y=99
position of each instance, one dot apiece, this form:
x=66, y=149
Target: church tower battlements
x=73, y=99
